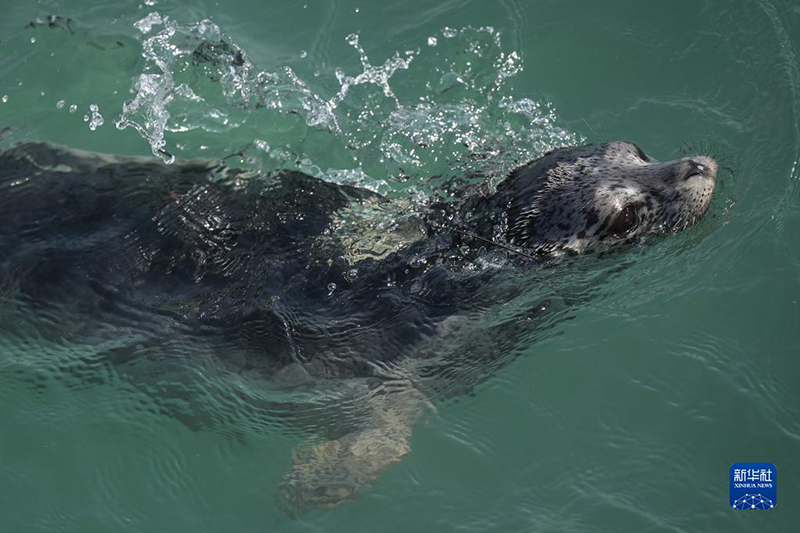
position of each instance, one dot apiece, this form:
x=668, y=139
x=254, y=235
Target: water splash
x=146, y=24
x=147, y=112
x=376, y=75
x=454, y=111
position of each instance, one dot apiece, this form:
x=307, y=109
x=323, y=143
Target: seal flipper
x=334, y=471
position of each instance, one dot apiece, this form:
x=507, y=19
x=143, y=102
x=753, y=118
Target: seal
x=308, y=284
x=596, y=196
x=604, y=194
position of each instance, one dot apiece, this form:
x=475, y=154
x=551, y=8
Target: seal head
x=595, y=196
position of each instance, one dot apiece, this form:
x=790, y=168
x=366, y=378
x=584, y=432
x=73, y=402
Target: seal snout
x=701, y=166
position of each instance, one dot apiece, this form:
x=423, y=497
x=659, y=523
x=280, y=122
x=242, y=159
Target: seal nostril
x=695, y=169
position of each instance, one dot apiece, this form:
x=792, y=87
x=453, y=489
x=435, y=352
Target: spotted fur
x=595, y=196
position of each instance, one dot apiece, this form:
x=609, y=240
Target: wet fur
x=253, y=260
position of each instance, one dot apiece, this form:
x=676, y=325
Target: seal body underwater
x=196, y=263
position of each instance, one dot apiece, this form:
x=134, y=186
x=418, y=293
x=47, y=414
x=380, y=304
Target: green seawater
x=627, y=418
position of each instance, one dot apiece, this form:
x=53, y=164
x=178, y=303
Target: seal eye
x=625, y=221
x=641, y=153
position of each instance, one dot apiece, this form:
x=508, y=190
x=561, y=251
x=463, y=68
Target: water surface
x=625, y=418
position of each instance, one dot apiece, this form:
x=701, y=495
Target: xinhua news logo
x=754, y=486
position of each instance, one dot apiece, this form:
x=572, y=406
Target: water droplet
x=357, y=10
x=432, y=41
x=60, y=104
x=33, y=40
x=97, y=118
x=73, y=108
